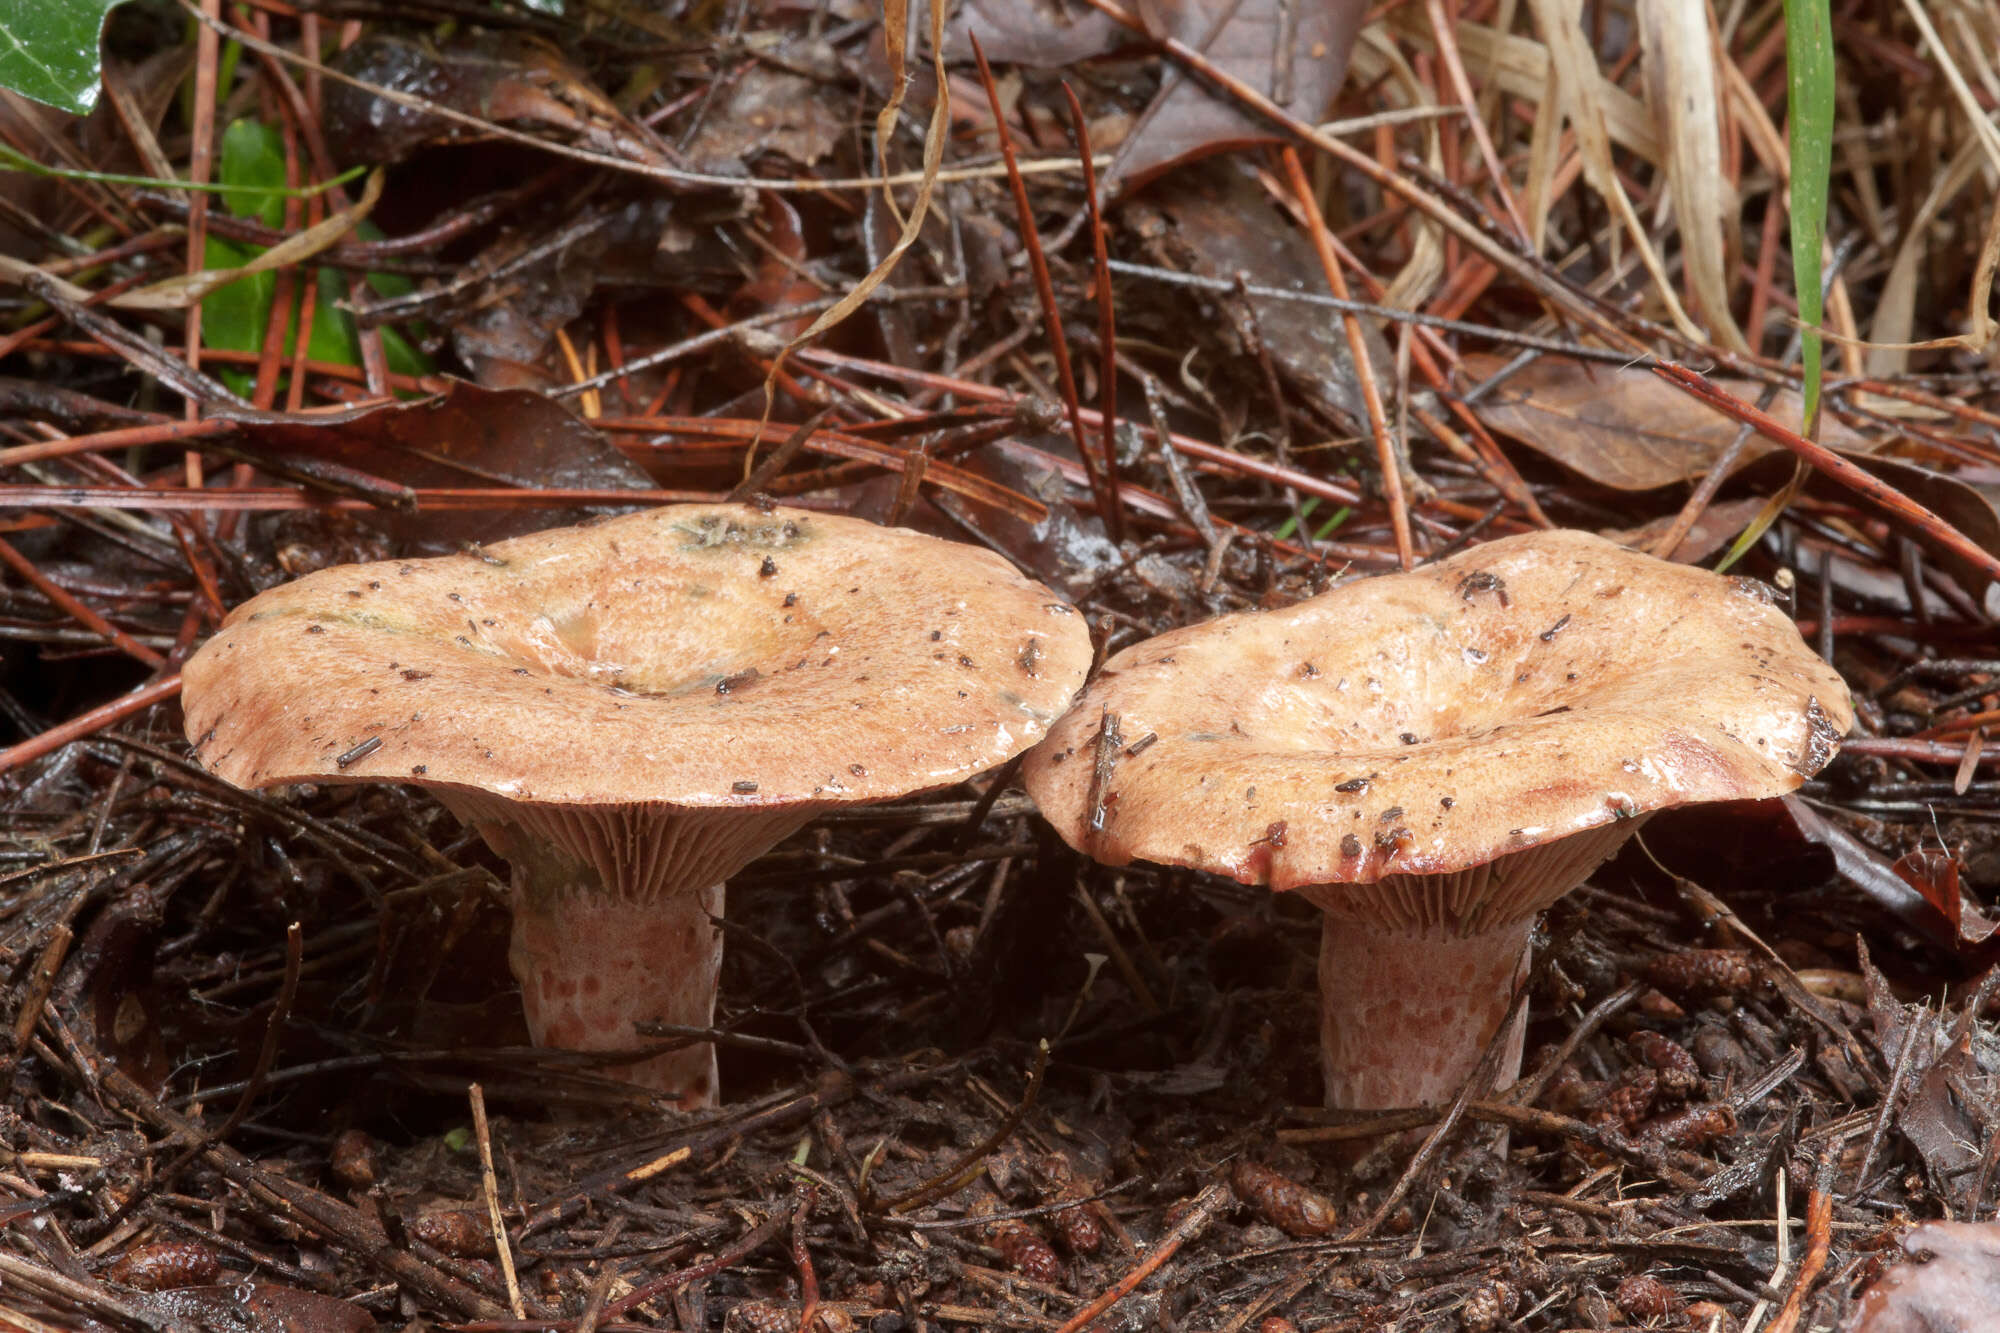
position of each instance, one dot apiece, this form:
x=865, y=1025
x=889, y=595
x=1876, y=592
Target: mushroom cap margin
x=694, y=655
x=1422, y=723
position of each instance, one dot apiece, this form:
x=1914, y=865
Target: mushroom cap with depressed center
x=720, y=657
x=1420, y=724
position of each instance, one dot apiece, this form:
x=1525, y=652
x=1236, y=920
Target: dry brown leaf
x=1292, y=51
x=769, y=110
x=1625, y=427
x=1682, y=90
x=1224, y=227
x=1042, y=34
x=1895, y=309
x=508, y=79
x=467, y=436
x=1248, y=39
x=1715, y=529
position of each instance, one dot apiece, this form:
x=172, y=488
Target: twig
x=1819, y=1238
x=1103, y=483
x=36, y=992
x=1206, y=1205
x=1832, y=465
x=951, y=1177
x=1107, y=317
x=75, y=609
x=477, y=1096
x=1386, y=454
x=306, y=1206
x=1887, y=1112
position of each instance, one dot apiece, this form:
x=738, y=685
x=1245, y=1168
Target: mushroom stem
x=612, y=922
x=592, y=965
x=1405, y=1015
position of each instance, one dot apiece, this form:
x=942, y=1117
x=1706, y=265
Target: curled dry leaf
x=1291, y=51
x=465, y=437
x=1683, y=93
x=1946, y=1057
x=509, y=79
x=1625, y=427
x=1043, y=34
x=1225, y=227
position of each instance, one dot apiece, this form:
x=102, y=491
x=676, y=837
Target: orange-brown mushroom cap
x=1412, y=724
x=715, y=656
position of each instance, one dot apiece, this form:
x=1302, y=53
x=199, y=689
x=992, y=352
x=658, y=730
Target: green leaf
x=1809, y=106
x=250, y=167
x=252, y=171
x=48, y=50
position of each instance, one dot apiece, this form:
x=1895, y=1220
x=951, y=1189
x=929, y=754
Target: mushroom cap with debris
x=709, y=656
x=1423, y=723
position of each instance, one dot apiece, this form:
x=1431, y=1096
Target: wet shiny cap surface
x=698, y=655
x=1423, y=723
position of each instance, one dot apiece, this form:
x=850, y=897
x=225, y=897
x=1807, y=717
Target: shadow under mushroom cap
x=1423, y=723
x=715, y=656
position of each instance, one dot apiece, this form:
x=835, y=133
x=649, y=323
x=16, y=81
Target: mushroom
x=1431, y=758
x=630, y=711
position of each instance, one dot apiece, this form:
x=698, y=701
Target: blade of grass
x=1809, y=105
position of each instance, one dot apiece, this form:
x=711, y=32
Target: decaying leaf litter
x=243, y=1027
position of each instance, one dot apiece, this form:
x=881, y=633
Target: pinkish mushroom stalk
x=1410, y=1000
x=615, y=923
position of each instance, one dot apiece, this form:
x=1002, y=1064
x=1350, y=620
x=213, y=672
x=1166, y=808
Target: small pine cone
x=1489, y=1306
x=1569, y=1092
x=1702, y=972
x=1663, y=1053
x=1695, y=1127
x=352, y=1159
x=1680, y=1076
x=166, y=1265
x=1644, y=1296
x=1025, y=1251
x=458, y=1232
x=1078, y=1227
x=761, y=1317
x=1708, y=1317
x=1655, y=1005
x=1282, y=1201
x=1677, y=1085
x=1630, y=1099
